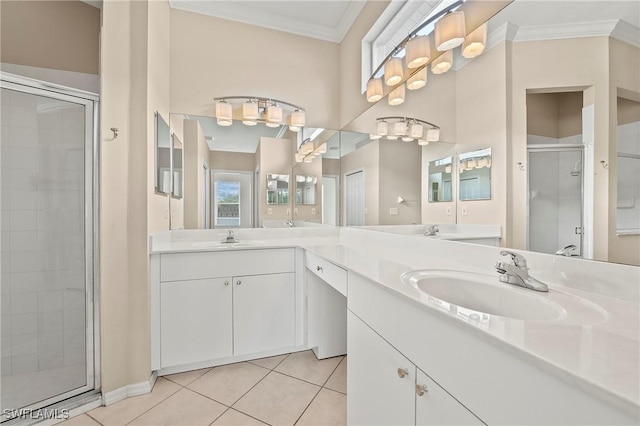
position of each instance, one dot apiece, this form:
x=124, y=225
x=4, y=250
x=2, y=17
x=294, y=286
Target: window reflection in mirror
x=277, y=188
x=176, y=163
x=306, y=190
x=475, y=175
x=440, y=184
x=163, y=155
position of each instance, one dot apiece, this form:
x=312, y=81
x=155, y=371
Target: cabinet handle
x=421, y=389
x=402, y=372
x=319, y=268
x=226, y=283
x=238, y=282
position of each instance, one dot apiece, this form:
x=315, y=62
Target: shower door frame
x=91, y=232
x=536, y=148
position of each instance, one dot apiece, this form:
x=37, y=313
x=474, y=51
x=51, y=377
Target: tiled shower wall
x=43, y=248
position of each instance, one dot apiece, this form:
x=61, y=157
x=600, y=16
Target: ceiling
x=321, y=19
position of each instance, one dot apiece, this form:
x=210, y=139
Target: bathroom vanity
x=426, y=344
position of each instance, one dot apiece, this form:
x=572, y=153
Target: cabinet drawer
x=191, y=266
x=334, y=275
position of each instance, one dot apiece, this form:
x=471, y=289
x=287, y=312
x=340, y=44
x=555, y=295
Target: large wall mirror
x=241, y=176
x=440, y=181
x=505, y=117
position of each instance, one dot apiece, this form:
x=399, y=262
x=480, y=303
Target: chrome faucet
x=432, y=230
x=290, y=223
x=567, y=251
x=230, y=238
x=517, y=273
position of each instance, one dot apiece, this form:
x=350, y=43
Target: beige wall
x=482, y=119
x=331, y=166
x=196, y=152
x=400, y=164
x=554, y=115
x=62, y=35
x=352, y=101
x=215, y=57
x=240, y=161
x=628, y=111
x=276, y=156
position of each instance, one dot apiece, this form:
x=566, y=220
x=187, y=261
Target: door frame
x=213, y=198
x=92, y=161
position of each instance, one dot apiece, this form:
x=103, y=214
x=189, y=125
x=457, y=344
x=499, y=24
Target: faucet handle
x=518, y=259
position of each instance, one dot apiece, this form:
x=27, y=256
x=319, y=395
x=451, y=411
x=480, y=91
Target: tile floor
x=281, y=390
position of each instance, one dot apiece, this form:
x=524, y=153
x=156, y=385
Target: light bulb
x=374, y=90
x=450, y=31
x=393, y=72
x=418, y=51
x=422, y=142
x=396, y=97
x=442, y=63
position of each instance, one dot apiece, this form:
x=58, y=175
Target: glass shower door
x=555, y=200
x=47, y=219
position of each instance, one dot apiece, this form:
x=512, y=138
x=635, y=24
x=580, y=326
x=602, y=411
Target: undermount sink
x=484, y=294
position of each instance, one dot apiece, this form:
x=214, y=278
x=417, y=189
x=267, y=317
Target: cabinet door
x=380, y=381
x=195, y=321
x=263, y=313
x=434, y=406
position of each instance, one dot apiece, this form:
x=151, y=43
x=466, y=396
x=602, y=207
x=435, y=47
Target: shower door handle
x=578, y=230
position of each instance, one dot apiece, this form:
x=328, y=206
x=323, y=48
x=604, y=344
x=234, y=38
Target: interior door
x=354, y=197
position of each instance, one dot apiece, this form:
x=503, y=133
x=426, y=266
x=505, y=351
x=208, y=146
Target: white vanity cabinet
x=386, y=388
x=327, y=307
x=216, y=307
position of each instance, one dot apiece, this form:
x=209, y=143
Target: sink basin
x=484, y=294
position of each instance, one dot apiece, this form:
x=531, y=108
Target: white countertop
x=602, y=357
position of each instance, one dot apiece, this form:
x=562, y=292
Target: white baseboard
x=128, y=391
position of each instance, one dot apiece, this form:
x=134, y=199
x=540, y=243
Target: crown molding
x=617, y=28
x=277, y=22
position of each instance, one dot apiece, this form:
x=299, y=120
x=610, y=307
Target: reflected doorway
x=354, y=195
x=232, y=199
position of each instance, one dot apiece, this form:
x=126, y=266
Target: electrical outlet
x=295, y=212
x=393, y=211
x=269, y=210
x=313, y=210
x=464, y=211
x=448, y=210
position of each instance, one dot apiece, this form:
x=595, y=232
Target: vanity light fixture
x=224, y=114
x=450, y=31
x=260, y=110
x=418, y=79
x=307, y=152
x=442, y=63
x=475, y=42
x=448, y=28
x=407, y=128
x=396, y=97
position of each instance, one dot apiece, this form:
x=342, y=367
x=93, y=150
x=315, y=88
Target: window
x=227, y=204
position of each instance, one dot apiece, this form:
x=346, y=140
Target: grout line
x=93, y=418
x=184, y=386
x=155, y=405
x=333, y=371
x=222, y=414
x=308, y=405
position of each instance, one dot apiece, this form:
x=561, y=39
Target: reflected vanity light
x=417, y=80
x=374, y=90
x=393, y=72
x=396, y=97
x=475, y=42
x=442, y=63
x=259, y=110
x=418, y=51
x=407, y=128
